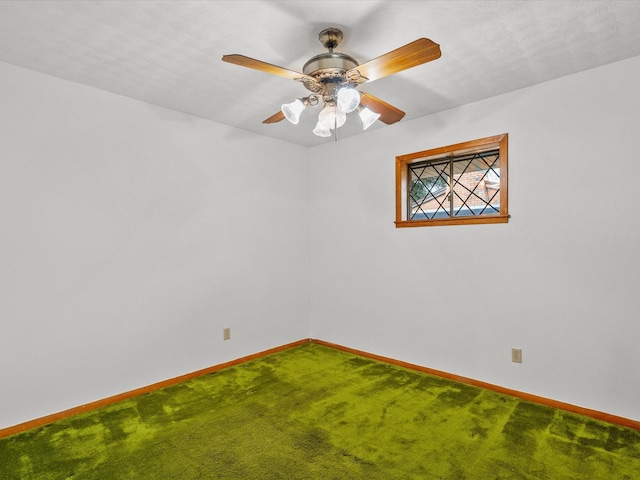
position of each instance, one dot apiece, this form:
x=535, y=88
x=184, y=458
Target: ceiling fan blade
x=388, y=113
x=275, y=118
x=262, y=66
x=411, y=55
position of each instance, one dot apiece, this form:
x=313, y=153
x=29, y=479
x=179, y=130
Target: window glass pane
x=429, y=189
x=476, y=185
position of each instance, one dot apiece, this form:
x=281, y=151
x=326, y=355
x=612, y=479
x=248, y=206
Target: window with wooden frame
x=459, y=184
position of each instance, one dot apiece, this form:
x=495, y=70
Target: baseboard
x=614, y=419
x=626, y=422
x=8, y=431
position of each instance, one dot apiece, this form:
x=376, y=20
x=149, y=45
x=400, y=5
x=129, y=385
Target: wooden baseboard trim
x=38, y=422
x=614, y=419
x=625, y=422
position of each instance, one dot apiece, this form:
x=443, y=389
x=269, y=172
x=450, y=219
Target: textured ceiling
x=168, y=53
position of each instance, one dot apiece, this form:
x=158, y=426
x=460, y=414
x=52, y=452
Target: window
x=454, y=185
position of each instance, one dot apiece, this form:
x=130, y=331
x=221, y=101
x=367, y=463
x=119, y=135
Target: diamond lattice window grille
x=458, y=186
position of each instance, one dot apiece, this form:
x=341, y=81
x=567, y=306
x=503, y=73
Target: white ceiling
x=168, y=53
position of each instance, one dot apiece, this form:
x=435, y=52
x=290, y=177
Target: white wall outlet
x=516, y=355
x=226, y=334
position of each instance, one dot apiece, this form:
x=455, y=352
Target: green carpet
x=312, y=412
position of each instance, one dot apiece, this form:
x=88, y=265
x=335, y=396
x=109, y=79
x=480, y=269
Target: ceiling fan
x=334, y=78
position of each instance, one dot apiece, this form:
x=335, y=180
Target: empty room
x=319, y=240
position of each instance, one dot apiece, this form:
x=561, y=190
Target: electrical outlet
x=226, y=334
x=516, y=355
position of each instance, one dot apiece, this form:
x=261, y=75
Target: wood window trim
x=497, y=141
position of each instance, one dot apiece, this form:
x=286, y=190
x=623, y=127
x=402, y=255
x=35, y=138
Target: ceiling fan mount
x=335, y=76
x=330, y=37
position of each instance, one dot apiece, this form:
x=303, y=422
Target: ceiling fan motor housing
x=329, y=65
x=330, y=70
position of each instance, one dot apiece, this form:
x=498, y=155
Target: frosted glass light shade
x=368, y=117
x=348, y=99
x=293, y=110
x=321, y=130
x=331, y=117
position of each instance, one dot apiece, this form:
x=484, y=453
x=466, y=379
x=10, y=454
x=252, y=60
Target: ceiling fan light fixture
x=293, y=110
x=332, y=117
x=348, y=99
x=321, y=130
x=368, y=117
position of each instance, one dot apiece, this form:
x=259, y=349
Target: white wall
x=560, y=280
x=130, y=236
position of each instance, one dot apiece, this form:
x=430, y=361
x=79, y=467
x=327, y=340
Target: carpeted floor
x=312, y=412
